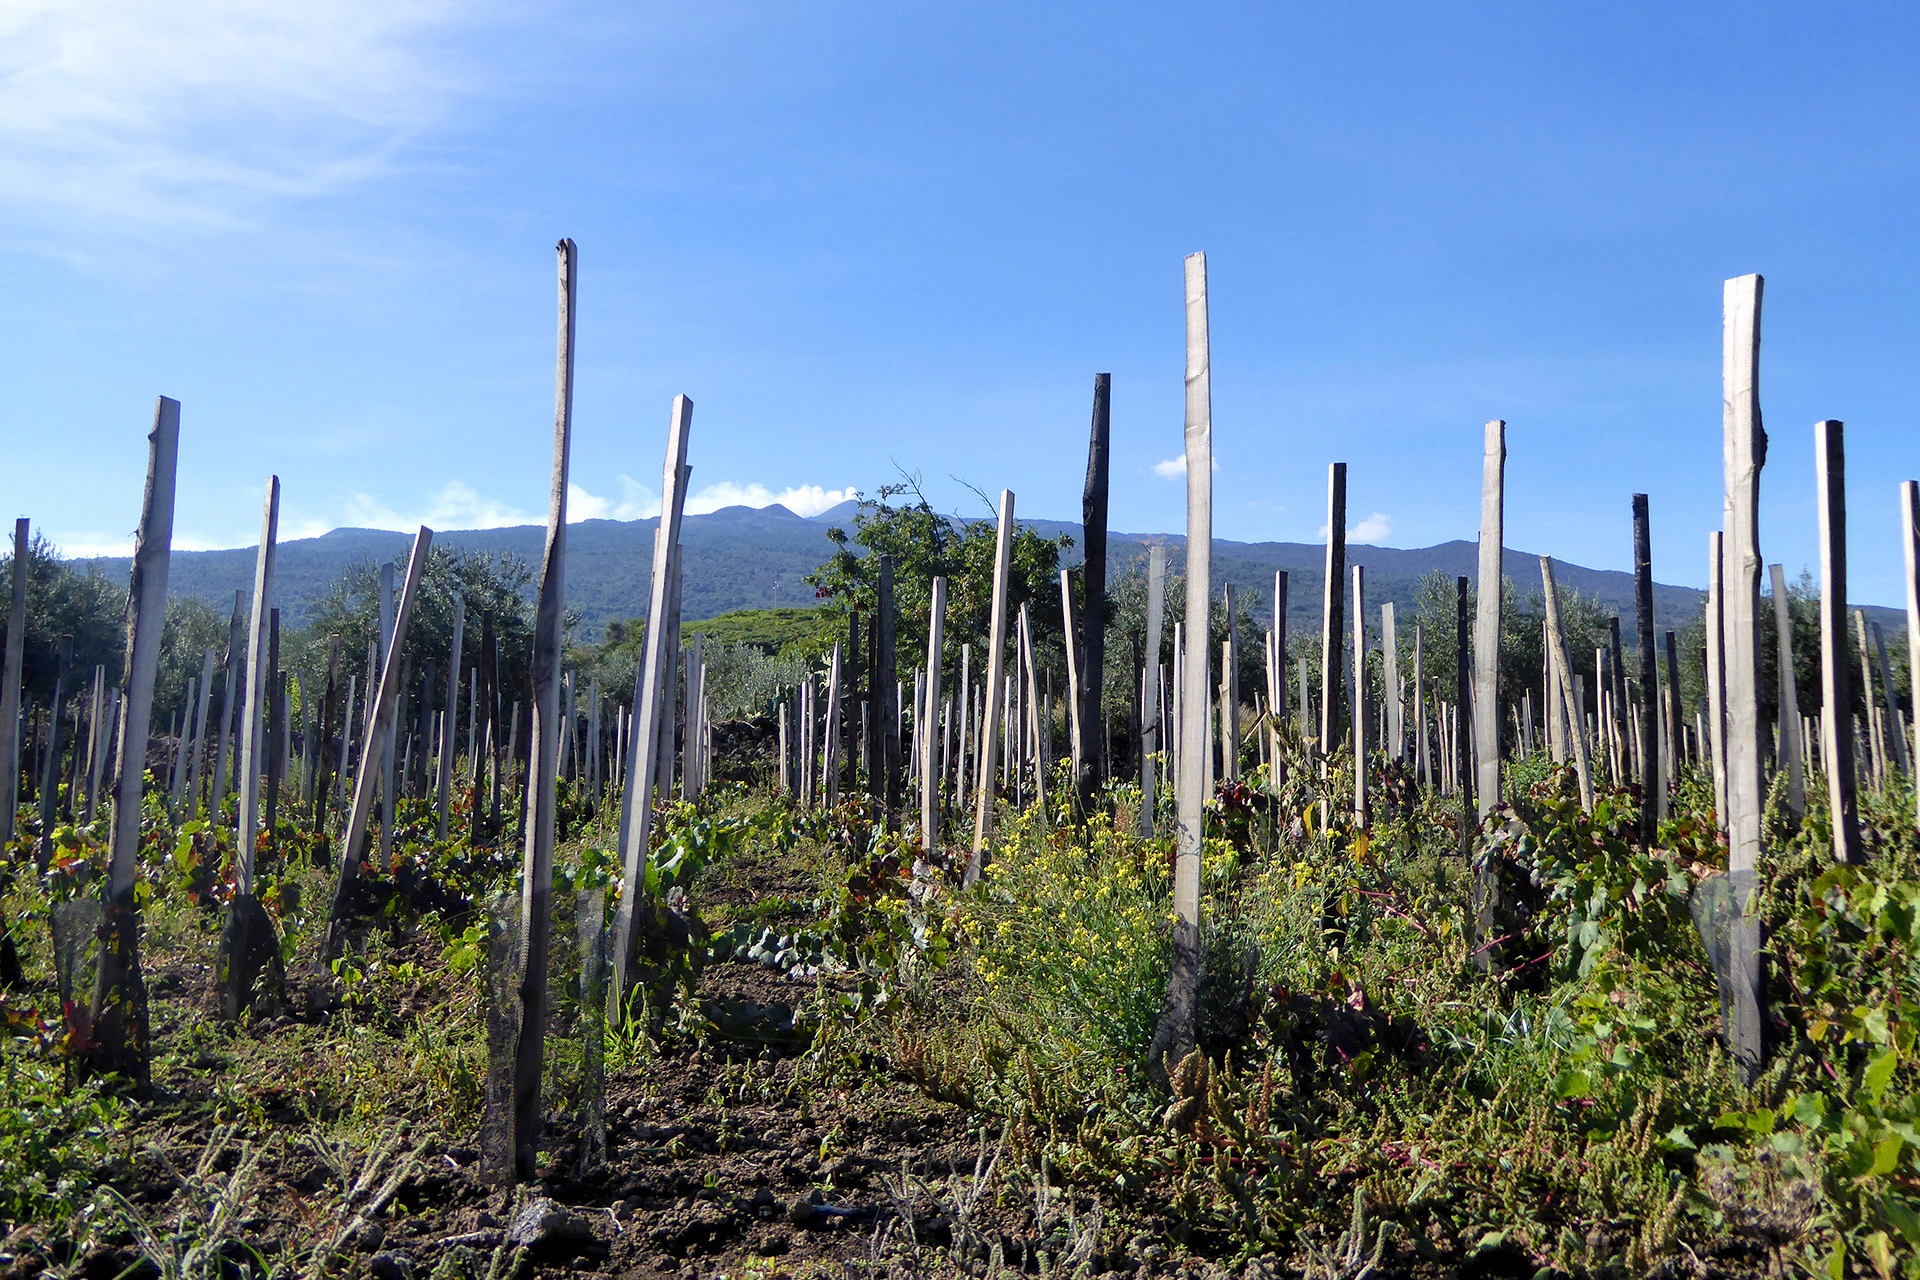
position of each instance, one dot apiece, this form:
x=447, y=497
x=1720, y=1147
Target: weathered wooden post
x=1090, y=739
x=991, y=693
x=1277, y=695
x=197, y=763
x=1653, y=783
x=830, y=732
x=1563, y=673
x=1070, y=634
x=1333, y=600
x=381, y=705
x=251, y=717
x=1486, y=630
x=450, y=723
x=1150, y=712
x=1360, y=718
x=388, y=641
x=1459, y=763
x=1030, y=711
x=1745, y=452
x=50, y=770
x=1174, y=1037
x=1716, y=711
x=650, y=704
x=10, y=685
x=1230, y=683
x=930, y=766
x=1910, y=543
x=1395, y=745
x=1422, y=760
x=231, y=675
x=887, y=696
x=119, y=1006
x=1893, y=731
x=536, y=868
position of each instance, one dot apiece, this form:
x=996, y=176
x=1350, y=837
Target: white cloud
x=804, y=500
x=456, y=505
x=1175, y=468
x=1373, y=529
x=203, y=112
x=636, y=502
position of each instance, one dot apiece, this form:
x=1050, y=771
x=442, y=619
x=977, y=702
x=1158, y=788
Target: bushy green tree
x=89, y=606
x=925, y=545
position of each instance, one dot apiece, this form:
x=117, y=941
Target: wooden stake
x=1075, y=739
x=119, y=1006
x=450, y=722
x=1150, y=712
x=1395, y=745
x=992, y=692
x=645, y=737
x=1333, y=601
x=1716, y=712
x=1174, y=1037
x=1563, y=672
x=10, y=686
x=1090, y=743
x=1653, y=782
x=1745, y=451
x=930, y=692
x=1486, y=628
x=1360, y=725
x=1910, y=544
x=252, y=719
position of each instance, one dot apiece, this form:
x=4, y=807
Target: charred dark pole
x=1092, y=747
x=1652, y=785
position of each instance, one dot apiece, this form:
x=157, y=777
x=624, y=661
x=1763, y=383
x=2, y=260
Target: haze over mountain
x=758, y=557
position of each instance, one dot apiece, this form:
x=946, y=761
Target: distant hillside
x=757, y=558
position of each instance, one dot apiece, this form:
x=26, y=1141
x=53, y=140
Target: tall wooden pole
x=1910, y=544
x=1486, y=623
x=229, y=709
x=1150, y=746
x=1090, y=740
x=993, y=691
x=450, y=721
x=1395, y=745
x=1789, y=696
x=1075, y=739
x=1277, y=699
x=1563, y=672
x=50, y=770
x=1361, y=720
x=536, y=866
x=1174, y=1037
x=1653, y=785
x=649, y=707
x=10, y=685
x=251, y=717
x=366, y=780
x=930, y=695
x=1745, y=451
x=1836, y=682
x=119, y=1007
x=1333, y=600
x=1716, y=667
x=886, y=681
x=1230, y=682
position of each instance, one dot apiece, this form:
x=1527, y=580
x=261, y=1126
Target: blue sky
x=868, y=236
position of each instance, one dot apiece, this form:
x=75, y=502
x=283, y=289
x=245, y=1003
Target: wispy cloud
x=201, y=113
x=1374, y=528
x=637, y=502
x=1176, y=468
x=455, y=505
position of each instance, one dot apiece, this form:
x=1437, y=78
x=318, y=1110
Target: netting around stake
x=1717, y=902
x=591, y=931
x=76, y=930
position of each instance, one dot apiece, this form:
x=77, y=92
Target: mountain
x=757, y=558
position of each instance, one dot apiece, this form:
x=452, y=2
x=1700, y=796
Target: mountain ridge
x=757, y=558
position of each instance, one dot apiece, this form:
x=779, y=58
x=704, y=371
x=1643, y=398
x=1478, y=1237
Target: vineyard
x=990, y=918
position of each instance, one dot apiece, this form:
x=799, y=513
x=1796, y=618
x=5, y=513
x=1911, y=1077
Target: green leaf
x=1573, y=1084
x=1879, y=1072
x=1886, y=1155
